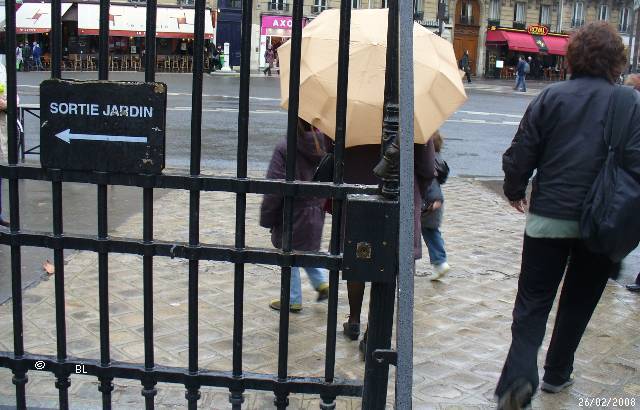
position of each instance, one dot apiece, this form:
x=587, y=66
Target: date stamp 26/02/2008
x=605, y=402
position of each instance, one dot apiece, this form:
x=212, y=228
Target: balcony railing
x=577, y=22
x=519, y=25
x=278, y=6
x=418, y=15
x=493, y=22
x=318, y=9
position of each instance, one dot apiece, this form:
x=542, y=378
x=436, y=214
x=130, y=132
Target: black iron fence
x=237, y=380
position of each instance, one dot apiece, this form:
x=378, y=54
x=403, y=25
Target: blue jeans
x=317, y=277
x=435, y=245
x=520, y=80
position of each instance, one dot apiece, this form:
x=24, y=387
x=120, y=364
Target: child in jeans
x=432, y=211
x=308, y=213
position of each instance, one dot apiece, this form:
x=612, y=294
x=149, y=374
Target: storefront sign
x=103, y=126
x=278, y=25
x=537, y=30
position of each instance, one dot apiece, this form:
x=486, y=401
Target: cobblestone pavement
x=461, y=323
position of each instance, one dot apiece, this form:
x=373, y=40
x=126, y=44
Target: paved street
x=462, y=323
x=476, y=135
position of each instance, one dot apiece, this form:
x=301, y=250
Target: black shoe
x=634, y=287
x=517, y=397
x=351, y=330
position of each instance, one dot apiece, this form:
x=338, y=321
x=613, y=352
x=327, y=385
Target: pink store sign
x=278, y=24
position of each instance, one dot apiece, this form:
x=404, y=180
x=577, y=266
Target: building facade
x=469, y=24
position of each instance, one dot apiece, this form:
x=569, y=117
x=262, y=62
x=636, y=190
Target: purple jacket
x=359, y=162
x=308, y=213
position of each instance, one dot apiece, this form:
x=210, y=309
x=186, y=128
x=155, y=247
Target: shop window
x=319, y=6
x=578, y=14
x=520, y=13
x=545, y=15
x=385, y=4
x=355, y=4
x=280, y=5
x=230, y=4
x=603, y=12
x=494, y=13
x=466, y=12
x=623, y=25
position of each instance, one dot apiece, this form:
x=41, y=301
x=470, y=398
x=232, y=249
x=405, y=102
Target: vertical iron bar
x=148, y=390
x=55, y=38
x=406, y=263
x=281, y=401
x=62, y=379
x=106, y=385
x=379, y=332
x=150, y=42
x=236, y=397
x=193, y=390
x=19, y=374
x=328, y=402
x=382, y=297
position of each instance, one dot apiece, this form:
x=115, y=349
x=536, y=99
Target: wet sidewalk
x=461, y=323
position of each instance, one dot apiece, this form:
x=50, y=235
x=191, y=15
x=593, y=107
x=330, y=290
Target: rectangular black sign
x=103, y=126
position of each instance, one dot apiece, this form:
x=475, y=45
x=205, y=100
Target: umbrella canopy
x=438, y=85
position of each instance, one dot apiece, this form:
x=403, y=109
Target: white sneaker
x=440, y=270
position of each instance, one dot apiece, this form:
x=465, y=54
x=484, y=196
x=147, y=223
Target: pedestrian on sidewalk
x=633, y=80
x=19, y=57
x=521, y=72
x=432, y=213
x=359, y=162
x=269, y=57
x=27, y=57
x=561, y=138
x=464, y=66
x=37, y=56
x=308, y=213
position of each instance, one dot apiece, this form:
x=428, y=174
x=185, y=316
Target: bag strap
x=619, y=115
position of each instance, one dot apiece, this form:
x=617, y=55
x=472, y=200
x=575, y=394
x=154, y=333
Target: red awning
x=556, y=45
x=520, y=41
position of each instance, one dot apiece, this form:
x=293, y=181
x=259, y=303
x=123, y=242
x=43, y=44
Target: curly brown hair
x=596, y=50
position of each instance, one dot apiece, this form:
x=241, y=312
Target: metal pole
x=631, y=35
x=636, y=49
x=406, y=266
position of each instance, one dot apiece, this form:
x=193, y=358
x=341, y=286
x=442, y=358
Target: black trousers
x=543, y=265
x=467, y=73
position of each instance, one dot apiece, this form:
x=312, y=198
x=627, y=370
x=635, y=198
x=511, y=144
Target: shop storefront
x=274, y=31
x=547, y=51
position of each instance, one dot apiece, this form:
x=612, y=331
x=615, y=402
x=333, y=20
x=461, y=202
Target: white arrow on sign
x=67, y=136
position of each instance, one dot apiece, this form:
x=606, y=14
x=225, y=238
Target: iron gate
x=399, y=84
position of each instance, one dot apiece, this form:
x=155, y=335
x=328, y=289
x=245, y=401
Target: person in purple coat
x=308, y=213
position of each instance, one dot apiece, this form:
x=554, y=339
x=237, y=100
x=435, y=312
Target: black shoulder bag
x=609, y=223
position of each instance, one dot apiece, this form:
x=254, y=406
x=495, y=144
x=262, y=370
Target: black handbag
x=609, y=223
x=324, y=172
x=442, y=168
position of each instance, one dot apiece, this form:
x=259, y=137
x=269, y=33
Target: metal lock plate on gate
x=370, y=244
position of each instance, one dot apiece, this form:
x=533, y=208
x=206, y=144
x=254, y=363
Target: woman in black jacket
x=561, y=138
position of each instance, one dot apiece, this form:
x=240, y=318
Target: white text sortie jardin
x=94, y=110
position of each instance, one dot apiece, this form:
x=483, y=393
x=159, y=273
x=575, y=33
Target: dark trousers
x=543, y=266
x=467, y=73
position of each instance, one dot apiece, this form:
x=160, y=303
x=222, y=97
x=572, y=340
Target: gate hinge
x=386, y=356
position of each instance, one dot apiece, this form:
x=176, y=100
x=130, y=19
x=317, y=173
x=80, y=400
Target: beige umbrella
x=438, y=85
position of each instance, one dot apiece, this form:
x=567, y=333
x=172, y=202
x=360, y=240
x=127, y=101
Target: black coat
x=561, y=136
